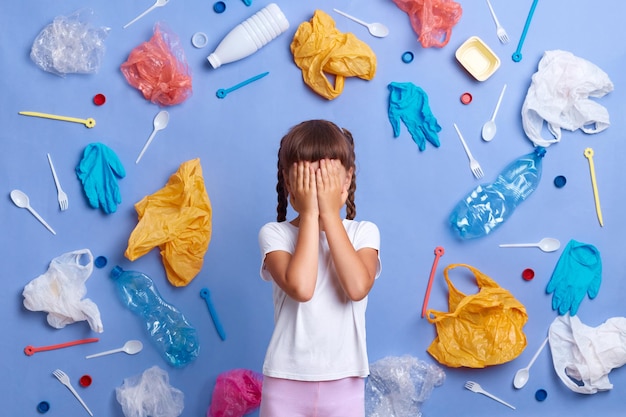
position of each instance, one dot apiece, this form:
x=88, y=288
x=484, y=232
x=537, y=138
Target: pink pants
x=288, y=398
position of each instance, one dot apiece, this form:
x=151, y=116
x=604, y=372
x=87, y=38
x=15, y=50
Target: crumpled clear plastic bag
x=397, y=386
x=236, y=393
x=432, y=20
x=158, y=68
x=319, y=49
x=150, y=395
x=60, y=291
x=70, y=45
x=177, y=219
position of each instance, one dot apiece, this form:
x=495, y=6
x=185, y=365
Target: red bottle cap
x=528, y=274
x=85, y=381
x=466, y=98
x=99, y=99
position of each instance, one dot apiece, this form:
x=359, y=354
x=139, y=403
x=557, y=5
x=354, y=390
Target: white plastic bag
x=559, y=95
x=60, y=291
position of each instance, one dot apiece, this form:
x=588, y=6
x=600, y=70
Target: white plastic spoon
x=157, y=3
x=376, y=29
x=131, y=347
x=489, y=128
x=547, y=244
x=21, y=200
x=521, y=376
x=160, y=122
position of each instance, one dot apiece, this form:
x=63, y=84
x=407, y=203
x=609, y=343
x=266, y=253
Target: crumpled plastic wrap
x=158, y=68
x=236, y=393
x=60, y=291
x=150, y=395
x=98, y=171
x=177, y=219
x=559, y=95
x=319, y=49
x=397, y=386
x=70, y=45
x=432, y=20
x=481, y=329
x=583, y=356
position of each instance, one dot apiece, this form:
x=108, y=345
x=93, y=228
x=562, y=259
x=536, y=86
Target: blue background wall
x=408, y=193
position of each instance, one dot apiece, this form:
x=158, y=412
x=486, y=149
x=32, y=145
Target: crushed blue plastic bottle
x=487, y=206
x=175, y=338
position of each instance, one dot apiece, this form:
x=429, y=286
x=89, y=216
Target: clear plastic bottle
x=176, y=339
x=250, y=36
x=490, y=205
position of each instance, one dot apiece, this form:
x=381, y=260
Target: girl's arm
x=356, y=269
x=297, y=274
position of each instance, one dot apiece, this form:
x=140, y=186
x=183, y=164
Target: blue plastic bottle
x=176, y=339
x=490, y=205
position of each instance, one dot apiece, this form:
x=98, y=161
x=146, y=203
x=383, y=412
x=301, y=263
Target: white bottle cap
x=214, y=61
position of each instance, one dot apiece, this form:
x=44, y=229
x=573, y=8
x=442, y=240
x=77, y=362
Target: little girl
x=321, y=268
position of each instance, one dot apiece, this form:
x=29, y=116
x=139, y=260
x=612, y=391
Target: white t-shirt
x=322, y=339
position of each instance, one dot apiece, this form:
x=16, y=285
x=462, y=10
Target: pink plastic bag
x=237, y=392
x=158, y=69
x=432, y=20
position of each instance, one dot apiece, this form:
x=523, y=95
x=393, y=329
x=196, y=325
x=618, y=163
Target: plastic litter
x=249, y=36
x=60, y=291
x=98, y=171
x=541, y=394
x=577, y=272
x=31, y=350
x=177, y=219
x=150, y=395
x=223, y=92
x=583, y=356
x=407, y=57
x=560, y=94
x=409, y=103
x=170, y=331
x=432, y=20
x=158, y=68
x=466, y=98
x=488, y=206
x=99, y=99
x=85, y=381
x=236, y=393
x=481, y=329
x=397, y=386
x=43, y=407
x=560, y=181
x=199, y=40
x=219, y=7
x=592, y=171
x=320, y=50
x=70, y=45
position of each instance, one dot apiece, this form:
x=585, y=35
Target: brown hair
x=314, y=140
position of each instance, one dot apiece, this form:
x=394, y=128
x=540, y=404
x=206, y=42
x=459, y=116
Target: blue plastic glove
x=578, y=271
x=409, y=103
x=98, y=171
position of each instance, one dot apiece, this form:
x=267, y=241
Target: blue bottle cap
x=407, y=57
x=219, y=7
x=559, y=181
x=541, y=395
x=43, y=407
x=100, y=262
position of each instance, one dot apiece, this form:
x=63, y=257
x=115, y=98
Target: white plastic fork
x=65, y=380
x=475, y=387
x=502, y=35
x=474, y=165
x=61, y=196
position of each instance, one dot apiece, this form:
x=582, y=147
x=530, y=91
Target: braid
x=282, y=197
x=350, y=205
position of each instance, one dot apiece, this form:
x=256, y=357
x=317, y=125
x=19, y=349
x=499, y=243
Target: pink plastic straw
x=438, y=254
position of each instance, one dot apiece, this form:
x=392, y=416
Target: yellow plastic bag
x=481, y=329
x=177, y=218
x=318, y=49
